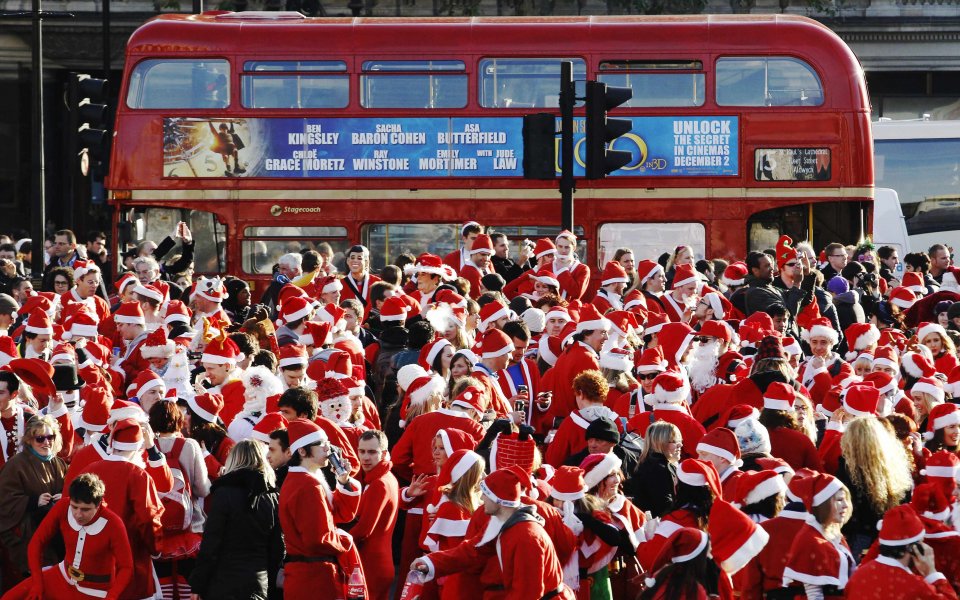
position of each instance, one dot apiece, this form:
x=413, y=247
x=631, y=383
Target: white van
x=889, y=224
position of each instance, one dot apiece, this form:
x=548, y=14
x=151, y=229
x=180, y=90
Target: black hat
x=492, y=282
x=954, y=311
x=65, y=378
x=603, y=429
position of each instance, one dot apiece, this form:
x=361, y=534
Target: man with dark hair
x=523, y=372
x=920, y=263
x=65, y=251
x=889, y=259
x=278, y=454
x=298, y=403
x=836, y=259
x=502, y=264
x=264, y=358
x=940, y=261
x=99, y=562
x=248, y=344
x=460, y=257
x=377, y=514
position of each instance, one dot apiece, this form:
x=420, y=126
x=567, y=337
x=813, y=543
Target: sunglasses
x=647, y=376
x=46, y=438
x=702, y=339
x=791, y=264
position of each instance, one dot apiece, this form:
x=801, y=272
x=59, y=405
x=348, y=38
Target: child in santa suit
x=905, y=568
x=590, y=390
x=98, y=563
x=131, y=493
x=319, y=555
x=445, y=523
x=377, y=513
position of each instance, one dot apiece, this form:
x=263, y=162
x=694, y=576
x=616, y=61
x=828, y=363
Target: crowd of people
x=480, y=426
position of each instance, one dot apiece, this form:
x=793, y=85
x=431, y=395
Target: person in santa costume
x=670, y=392
x=819, y=558
x=905, y=567
x=132, y=329
x=259, y=383
x=934, y=337
x=335, y=405
x=377, y=513
x=583, y=354
x=478, y=264
x=760, y=495
x=292, y=362
x=132, y=494
x=681, y=302
x=203, y=424
x=943, y=429
x=293, y=316
x=221, y=376
x=816, y=372
x=719, y=447
x=494, y=351
x=515, y=535
x=787, y=441
x=713, y=339
x=647, y=365
x=319, y=555
x=613, y=281
x=683, y=567
x=457, y=259
x=357, y=282
x=99, y=562
x=522, y=371
x=207, y=297
x=573, y=275
x=736, y=542
x=86, y=275
x=590, y=390
x=430, y=273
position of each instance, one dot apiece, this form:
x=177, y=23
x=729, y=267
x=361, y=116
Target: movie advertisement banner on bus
x=426, y=147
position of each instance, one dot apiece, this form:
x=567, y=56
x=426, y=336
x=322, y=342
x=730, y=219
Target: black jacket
x=658, y=488
x=242, y=546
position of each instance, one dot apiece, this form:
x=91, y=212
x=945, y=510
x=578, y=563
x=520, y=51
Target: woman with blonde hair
x=446, y=523
x=30, y=483
x=944, y=351
x=682, y=255
x=242, y=544
x=874, y=467
x=658, y=468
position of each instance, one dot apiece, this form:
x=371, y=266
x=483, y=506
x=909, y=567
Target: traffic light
x=601, y=130
x=539, y=146
x=93, y=130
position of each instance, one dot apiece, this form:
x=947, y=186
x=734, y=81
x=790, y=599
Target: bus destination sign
x=425, y=147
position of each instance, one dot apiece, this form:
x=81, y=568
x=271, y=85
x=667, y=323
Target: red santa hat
x=894, y=338
x=293, y=355
x=327, y=285
x=929, y=385
x=481, y=245
x=470, y=398
x=882, y=381
x=942, y=464
x=503, y=487
x=886, y=356
x=82, y=323
x=791, y=346
x=860, y=399
x=775, y=465
x=430, y=352
x=670, y=387
x=126, y=435
x=456, y=466
x=84, y=267
x=700, y=473
x=123, y=281
x=913, y=281
x=129, y=312
x=494, y=343
x=177, y=312
x=635, y=301
x=543, y=247
x=735, y=274
x=315, y=334
x=622, y=323
x=675, y=338
x=64, y=352
x=568, y=484
x=684, y=275
x=39, y=323
x=492, y=311
x=754, y=486
x=8, y=350
x=448, y=296
x=39, y=302
x=736, y=539
x=613, y=272
x=683, y=545
x=903, y=297
x=650, y=361
x=736, y=414
x=785, y=251
x=221, y=351
x=303, y=433
x=420, y=390
x=617, y=359
x=267, y=424
x=96, y=408
x=930, y=502
x=431, y=265
x=815, y=489
x=900, y=527
x=779, y=396
x=952, y=386
x=597, y=467
x=723, y=443
x=124, y=409
x=566, y=334
x=454, y=439
x=731, y=367
x=859, y=337
x=407, y=373
x=206, y=406
x=655, y=323
x=146, y=381
x=549, y=349
x=941, y=416
x=149, y=291
x=333, y=314
x=647, y=269
x=925, y=329
x=558, y=312
x=716, y=329
x=210, y=288
x=805, y=318
x=821, y=328
x=157, y=345
x=721, y=306
x=294, y=309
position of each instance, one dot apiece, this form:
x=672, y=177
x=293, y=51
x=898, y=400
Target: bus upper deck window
x=413, y=84
x=657, y=83
x=179, y=83
x=525, y=82
x=767, y=81
x=295, y=84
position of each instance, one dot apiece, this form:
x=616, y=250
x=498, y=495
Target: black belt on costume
x=78, y=576
x=299, y=558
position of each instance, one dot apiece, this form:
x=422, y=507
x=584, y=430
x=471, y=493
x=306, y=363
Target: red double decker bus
x=268, y=132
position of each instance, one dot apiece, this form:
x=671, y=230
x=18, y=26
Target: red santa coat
x=670, y=523
x=573, y=280
x=99, y=548
x=456, y=260
x=373, y=531
x=233, y=400
x=489, y=382
x=795, y=448
x=689, y=428
x=712, y=402
x=945, y=542
x=628, y=517
x=728, y=480
x=358, y=290
x=577, y=358
x=814, y=559
x=887, y=579
x=308, y=515
x=765, y=572
x=571, y=436
x=447, y=529
x=95, y=303
x=673, y=309
x=522, y=285
x=472, y=273
x=133, y=362
x=528, y=561
x=156, y=468
x=606, y=301
x=413, y=454
x=829, y=450
x=131, y=493
x=530, y=377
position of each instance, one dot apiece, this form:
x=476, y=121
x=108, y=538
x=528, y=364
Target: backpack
x=178, y=502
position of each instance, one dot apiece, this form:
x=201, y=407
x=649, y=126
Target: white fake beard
x=564, y=261
x=703, y=367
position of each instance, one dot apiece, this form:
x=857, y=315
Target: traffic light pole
x=39, y=171
x=567, y=184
